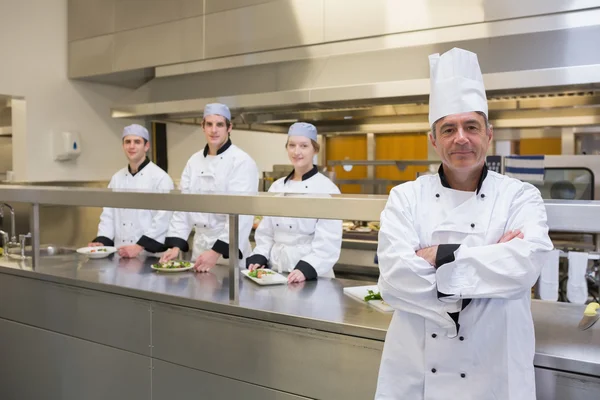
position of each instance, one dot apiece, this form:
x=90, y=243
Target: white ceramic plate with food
x=97, y=251
x=173, y=266
x=360, y=292
x=264, y=276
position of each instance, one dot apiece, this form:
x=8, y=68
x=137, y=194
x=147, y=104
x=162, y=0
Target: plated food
x=173, y=266
x=264, y=276
x=97, y=251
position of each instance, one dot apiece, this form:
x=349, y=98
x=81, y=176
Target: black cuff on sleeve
x=307, y=269
x=223, y=248
x=445, y=254
x=256, y=259
x=151, y=245
x=173, y=241
x=104, y=240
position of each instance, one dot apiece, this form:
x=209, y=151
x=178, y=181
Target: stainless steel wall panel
x=506, y=9
x=166, y=43
x=190, y=384
x=132, y=14
x=559, y=385
x=91, y=56
x=117, y=321
x=38, y=364
x=265, y=26
x=214, y=6
x=267, y=354
x=89, y=18
x=349, y=19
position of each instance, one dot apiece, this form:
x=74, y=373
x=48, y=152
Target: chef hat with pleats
x=456, y=84
x=136, y=130
x=217, y=109
x=303, y=129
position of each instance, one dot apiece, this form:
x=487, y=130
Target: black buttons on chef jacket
x=482, y=196
x=463, y=375
x=290, y=227
x=433, y=370
x=462, y=338
x=472, y=225
x=437, y=195
x=434, y=335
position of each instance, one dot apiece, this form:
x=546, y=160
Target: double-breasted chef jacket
x=462, y=329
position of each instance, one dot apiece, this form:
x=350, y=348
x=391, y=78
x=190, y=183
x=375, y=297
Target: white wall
x=33, y=65
x=266, y=149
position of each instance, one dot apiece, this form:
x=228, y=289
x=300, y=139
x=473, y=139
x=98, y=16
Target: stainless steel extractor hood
x=546, y=78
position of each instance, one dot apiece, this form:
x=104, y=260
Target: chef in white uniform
x=133, y=231
x=222, y=168
x=458, y=254
x=305, y=247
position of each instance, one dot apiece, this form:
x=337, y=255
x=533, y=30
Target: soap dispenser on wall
x=65, y=146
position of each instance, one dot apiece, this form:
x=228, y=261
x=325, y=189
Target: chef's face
x=462, y=140
x=216, y=130
x=300, y=151
x=135, y=148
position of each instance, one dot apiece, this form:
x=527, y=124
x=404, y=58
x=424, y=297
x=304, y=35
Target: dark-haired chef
x=130, y=230
x=304, y=247
x=221, y=167
x=458, y=254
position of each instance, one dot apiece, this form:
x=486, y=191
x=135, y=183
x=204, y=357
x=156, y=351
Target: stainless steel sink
x=46, y=250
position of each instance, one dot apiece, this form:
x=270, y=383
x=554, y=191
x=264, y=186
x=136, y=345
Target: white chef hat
x=456, y=84
x=136, y=130
x=303, y=129
x=217, y=109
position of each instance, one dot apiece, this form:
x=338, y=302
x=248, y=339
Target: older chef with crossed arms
x=132, y=231
x=221, y=167
x=458, y=254
x=305, y=247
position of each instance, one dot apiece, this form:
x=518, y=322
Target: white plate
x=172, y=269
x=359, y=293
x=275, y=279
x=97, y=251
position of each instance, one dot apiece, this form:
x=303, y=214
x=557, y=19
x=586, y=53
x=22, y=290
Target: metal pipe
x=234, y=273
x=35, y=234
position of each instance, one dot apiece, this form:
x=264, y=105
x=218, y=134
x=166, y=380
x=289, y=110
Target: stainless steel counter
x=319, y=305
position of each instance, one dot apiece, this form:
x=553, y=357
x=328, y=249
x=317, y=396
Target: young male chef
x=458, y=254
x=221, y=167
x=132, y=230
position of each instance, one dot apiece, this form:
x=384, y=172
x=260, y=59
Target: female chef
x=305, y=247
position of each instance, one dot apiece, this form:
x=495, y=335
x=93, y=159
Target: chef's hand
x=296, y=276
x=510, y=235
x=252, y=267
x=428, y=254
x=206, y=261
x=169, y=255
x=95, y=244
x=130, y=251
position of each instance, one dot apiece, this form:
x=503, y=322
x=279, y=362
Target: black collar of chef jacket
x=142, y=165
x=445, y=183
x=221, y=150
x=306, y=176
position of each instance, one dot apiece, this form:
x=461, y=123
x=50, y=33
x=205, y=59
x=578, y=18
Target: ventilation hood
x=535, y=79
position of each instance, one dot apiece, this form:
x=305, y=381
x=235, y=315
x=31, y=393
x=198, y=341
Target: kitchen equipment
x=590, y=316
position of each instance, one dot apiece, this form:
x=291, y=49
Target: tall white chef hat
x=136, y=130
x=456, y=84
x=303, y=129
x=217, y=109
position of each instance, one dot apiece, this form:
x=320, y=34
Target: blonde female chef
x=305, y=247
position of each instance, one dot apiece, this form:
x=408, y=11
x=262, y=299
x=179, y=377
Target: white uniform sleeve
x=407, y=281
x=180, y=226
x=161, y=218
x=106, y=227
x=244, y=179
x=326, y=245
x=264, y=238
x=505, y=270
